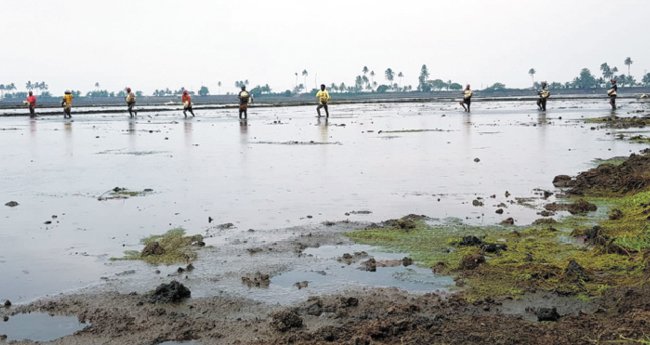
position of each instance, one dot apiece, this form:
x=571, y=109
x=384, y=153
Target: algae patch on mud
x=170, y=248
x=494, y=261
x=123, y=193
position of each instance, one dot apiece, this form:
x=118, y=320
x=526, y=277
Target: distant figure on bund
x=612, y=93
x=467, y=98
x=244, y=98
x=543, y=94
x=30, y=101
x=130, y=102
x=66, y=103
x=323, y=97
x=187, y=103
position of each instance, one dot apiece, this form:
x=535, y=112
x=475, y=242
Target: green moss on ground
x=172, y=247
x=123, y=193
x=537, y=256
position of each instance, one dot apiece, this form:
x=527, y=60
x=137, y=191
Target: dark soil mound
x=153, y=248
x=285, y=320
x=547, y=314
x=470, y=241
x=471, y=262
x=631, y=176
x=170, y=293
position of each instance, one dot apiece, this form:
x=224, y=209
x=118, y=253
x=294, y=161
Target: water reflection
x=323, y=125
x=69, y=145
x=187, y=126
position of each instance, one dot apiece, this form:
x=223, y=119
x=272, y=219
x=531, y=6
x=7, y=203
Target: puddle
x=327, y=275
x=39, y=327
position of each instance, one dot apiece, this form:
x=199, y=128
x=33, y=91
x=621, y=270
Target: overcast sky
x=149, y=44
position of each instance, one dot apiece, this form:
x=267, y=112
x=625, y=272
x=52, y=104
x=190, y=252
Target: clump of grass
x=122, y=193
x=172, y=247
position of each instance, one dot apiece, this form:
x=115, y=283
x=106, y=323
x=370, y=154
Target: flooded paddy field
x=275, y=193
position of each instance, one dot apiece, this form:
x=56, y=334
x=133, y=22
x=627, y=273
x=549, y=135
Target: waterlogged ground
x=276, y=177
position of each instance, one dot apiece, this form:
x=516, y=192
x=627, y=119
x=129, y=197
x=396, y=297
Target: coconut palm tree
x=628, y=62
x=607, y=71
x=390, y=75
x=219, y=85
x=304, y=75
x=365, y=70
x=372, y=77
x=532, y=72
x=400, y=75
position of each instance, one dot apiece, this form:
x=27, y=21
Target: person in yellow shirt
x=467, y=98
x=323, y=97
x=130, y=102
x=66, y=103
x=244, y=98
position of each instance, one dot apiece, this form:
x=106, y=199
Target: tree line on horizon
x=366, y=82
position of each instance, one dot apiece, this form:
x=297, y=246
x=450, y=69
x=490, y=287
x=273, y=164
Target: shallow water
x=256, y=176
x=39, y=327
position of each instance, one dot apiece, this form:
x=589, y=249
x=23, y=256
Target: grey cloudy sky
x=150, y=44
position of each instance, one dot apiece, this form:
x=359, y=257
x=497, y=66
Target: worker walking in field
x=187, y=103
x=612, y=93
x=543, y=94
x=467, y=98
x=130, y=102
x=31, y=104
x=66, y=103
x=244, y=98
x=323, y=98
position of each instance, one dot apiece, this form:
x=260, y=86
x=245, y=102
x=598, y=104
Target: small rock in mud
x=406, y=261
x=152, y=248
x=12, y=204
x=547, y=314
x=545, y=213
x=285, y=320
x=170, y=293
x=369, y=265
x=301, y=285
x=314, y=307
x=7, y=304
x=469, y=241
x=508, y=221
x=615, y=214
x=581, y=207
x=493, y=248
x=257, y=280
x=574, y=273
x=255, y=250
x=349, y=301
x=225, y=226
x=439, y=267
x=563, y=181
x=507, y=194
x=499, y=211
x=476, y=160
x=477, y=203
x=350, y=258
x=470, y=262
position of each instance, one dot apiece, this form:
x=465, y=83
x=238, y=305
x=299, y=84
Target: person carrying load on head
x=244, y=98
x=323, y=98
x=31, y=103
x=66, y=103
x=130, y=102
x=187, y=103
x=612, y=93
x=467, y=98
x=543, y=94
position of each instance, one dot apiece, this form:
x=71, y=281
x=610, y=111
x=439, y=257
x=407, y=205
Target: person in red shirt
x=187, y=103
x=31, y=103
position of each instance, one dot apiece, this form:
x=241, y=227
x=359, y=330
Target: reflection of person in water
x=31, y=103
x=244, y=98
x=323, y=97
x=612, y=93
x=187, y=103
x=467, y=98
x=543, y=94
x=66, y=103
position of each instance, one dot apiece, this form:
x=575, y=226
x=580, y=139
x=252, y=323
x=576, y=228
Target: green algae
x=122, y=193
x=537, y=256
x=172, y=247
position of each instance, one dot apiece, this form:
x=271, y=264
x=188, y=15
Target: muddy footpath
x=579, y=274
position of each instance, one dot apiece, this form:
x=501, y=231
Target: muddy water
x=283, y=168
x=39, y=327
